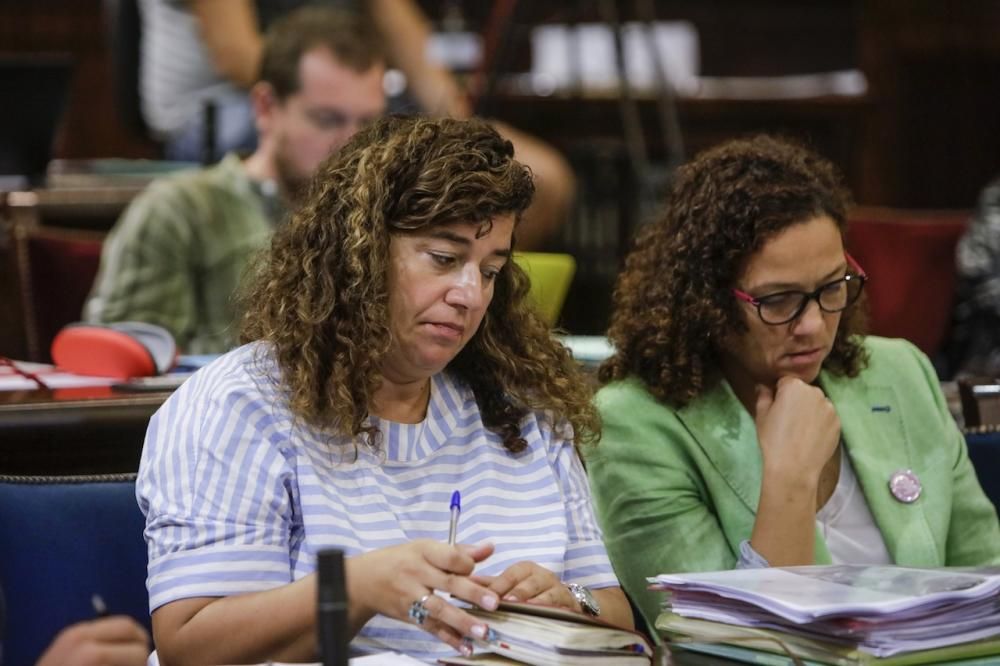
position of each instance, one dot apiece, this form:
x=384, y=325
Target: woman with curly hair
x=391, y=359
x=747, y=419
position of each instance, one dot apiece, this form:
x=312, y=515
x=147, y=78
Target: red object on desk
x=121, y=350
x=101, y=352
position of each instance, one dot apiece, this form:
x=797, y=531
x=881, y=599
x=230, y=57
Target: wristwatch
x=585, y=598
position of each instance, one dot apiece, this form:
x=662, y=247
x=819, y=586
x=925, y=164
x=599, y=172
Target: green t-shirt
x=178, y=254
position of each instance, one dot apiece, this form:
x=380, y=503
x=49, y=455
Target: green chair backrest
x=551, y=275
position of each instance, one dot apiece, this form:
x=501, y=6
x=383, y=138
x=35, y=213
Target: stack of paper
x=841, y=613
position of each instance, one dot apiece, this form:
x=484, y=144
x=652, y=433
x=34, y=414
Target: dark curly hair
x=673, y=303
x=321, y=298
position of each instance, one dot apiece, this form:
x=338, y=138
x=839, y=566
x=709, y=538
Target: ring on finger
x=418, y=610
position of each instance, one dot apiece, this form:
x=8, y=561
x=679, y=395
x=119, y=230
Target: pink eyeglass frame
x=851, y=263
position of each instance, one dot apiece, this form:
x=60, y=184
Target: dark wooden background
x=927, y=134
x=931, y=135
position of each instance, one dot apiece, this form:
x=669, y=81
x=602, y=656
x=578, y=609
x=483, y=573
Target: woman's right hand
x=798, y=430
x=390, y=580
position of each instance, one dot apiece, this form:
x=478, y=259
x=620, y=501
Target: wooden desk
x=92, y=208
x=74, y=431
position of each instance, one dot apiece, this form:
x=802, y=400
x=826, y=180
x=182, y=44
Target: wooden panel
x=90, y=126
x=73, y=431
x=934, y=135
x=927, y=135
x=13, y=341
x=932, y=64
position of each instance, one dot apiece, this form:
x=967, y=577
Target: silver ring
x=418, y=610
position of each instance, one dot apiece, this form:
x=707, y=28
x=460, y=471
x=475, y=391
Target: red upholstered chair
x=55, y=269
x=910, y=257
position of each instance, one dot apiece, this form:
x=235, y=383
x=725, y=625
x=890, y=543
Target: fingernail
x=490, y=602
x=465, y=649
x=479, y=631
x=510, y=597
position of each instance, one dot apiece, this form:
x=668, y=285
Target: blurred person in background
x=973, y=348
x=178, y=253
x=106, y=641
x=201, y=51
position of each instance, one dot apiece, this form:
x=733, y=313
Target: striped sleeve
x=216, y=490
x=586, y=559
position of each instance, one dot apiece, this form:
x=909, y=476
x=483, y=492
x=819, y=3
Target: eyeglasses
x=784, y=306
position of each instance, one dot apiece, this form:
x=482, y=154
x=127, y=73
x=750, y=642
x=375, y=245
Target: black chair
x=980, y=397
x=34, y=88
x=65, y=539
x=123, y=23
x=984, y=452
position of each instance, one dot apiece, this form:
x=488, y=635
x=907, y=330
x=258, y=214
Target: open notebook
x=548, y=636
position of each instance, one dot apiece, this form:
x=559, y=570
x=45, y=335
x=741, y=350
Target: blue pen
x=456, y=509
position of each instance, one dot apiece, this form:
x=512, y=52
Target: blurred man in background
x=177, y=255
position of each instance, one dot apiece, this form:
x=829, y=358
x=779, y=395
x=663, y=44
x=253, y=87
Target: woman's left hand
x=528, y=581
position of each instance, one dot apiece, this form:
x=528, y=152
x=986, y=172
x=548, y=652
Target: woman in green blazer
x=747, y=420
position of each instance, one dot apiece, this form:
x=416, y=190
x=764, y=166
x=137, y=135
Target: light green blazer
x=677, y=489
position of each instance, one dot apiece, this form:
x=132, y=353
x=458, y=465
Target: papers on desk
x=588, y=348
x=384, y=659
x=167, y=382
x=380, y=659
x=848, y=614
x=53, y=378
x=188, y=362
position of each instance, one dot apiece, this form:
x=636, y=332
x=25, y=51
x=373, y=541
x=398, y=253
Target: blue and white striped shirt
x=239, y=495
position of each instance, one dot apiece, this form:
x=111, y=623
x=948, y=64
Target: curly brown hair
x=673, y=303
x=321, y=298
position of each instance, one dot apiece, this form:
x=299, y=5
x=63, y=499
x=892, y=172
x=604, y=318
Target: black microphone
x=208, y=132
x=331, y=621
